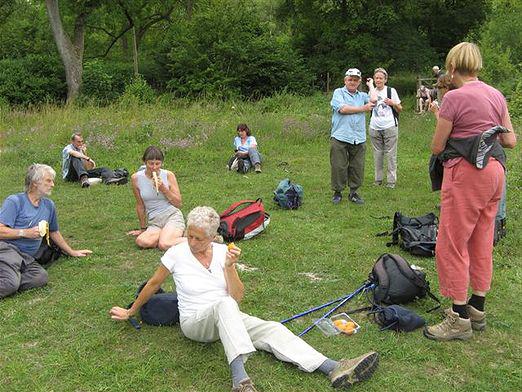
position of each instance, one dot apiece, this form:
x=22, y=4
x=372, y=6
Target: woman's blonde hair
x=465, y=58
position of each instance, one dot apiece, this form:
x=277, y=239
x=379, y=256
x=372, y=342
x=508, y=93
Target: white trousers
x=242, y=334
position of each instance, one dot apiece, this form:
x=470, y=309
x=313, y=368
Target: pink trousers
x=464, y=250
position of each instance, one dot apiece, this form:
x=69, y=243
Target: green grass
x=60, y=338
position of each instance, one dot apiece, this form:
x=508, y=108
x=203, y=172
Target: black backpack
x=47, y=254
x=160, y=309
x=396, y=282
x=416, y=235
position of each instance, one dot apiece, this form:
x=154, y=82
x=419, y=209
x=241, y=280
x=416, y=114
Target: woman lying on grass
x=158, y=201
x=209, y=290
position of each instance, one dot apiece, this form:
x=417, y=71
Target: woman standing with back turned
x=469, y=196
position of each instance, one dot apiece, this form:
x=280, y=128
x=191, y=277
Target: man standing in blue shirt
x=348, y=136
x=20, y=234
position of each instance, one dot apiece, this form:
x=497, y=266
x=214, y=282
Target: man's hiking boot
x=452, y=327
x=337, y=197
x=245, y=386
x=351, y=371
x=84, y=181
x=355, y=198
x=257, y=167
x=478, y=318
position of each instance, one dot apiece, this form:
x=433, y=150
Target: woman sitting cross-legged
x=158, y=201
x=209, y=290
x=246, y=153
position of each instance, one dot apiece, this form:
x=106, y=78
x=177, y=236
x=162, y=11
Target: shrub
x=515, y=103
x=32, y=80
x=138, y=91
x=105, y=81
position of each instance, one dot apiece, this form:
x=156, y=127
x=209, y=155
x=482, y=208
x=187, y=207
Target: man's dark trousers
x=347, y=164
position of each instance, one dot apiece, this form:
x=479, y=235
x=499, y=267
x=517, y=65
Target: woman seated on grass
x=209, y=290
x=157, y=204
x=246, y=152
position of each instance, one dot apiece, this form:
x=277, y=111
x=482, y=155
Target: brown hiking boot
x=452, y=327
x=257, y=167
x=245, y=386
x=478, y=318
x=350, y=371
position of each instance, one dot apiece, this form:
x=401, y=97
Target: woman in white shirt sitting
x=209, y=290
x=246, y=153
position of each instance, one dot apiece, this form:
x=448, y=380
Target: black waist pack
x=396, y=282
x=397, y=318
x=47, y=254
x=160, y=309
x=416, y=235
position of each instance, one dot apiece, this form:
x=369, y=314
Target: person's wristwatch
x=21, y=233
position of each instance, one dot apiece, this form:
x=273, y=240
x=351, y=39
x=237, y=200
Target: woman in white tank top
x=158, y=203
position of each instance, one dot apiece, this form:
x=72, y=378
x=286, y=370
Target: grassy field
x=60, y=338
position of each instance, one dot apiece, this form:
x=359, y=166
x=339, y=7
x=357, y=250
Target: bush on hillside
x=104, y=81
x=32, y=80
x=138, y=91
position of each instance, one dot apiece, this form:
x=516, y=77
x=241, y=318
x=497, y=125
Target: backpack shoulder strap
x=384, y=281
x=230, y=210
x=388, y=91
x=389, y=95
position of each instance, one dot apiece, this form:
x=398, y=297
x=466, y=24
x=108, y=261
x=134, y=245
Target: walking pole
x=365, y=287
x=319, y=307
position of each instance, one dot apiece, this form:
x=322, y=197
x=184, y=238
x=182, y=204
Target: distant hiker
x=469, y=194
x=384, y=129
x=348, y=135
x=158, y=203
x=78, y=166
x=246, y=153
x=423, y=99
x=20, y=237
x=209, y=291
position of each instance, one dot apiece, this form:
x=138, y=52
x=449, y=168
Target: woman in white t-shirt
x=246, y=154
x=384, y=130
x=158, y=203
x=209, y=290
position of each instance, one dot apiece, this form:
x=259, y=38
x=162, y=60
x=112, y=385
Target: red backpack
x=243, y=220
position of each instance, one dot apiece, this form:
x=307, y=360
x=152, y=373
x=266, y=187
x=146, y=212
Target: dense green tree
x=225, y=49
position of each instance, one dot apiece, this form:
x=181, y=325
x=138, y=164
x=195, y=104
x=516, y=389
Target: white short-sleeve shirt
x=382, y=115
x=196, y=286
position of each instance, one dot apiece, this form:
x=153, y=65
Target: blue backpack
x=288, y=195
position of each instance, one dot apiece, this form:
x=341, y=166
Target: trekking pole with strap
x=342, y=300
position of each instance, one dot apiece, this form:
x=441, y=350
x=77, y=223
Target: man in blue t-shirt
x=348, y=135
x=21, y=232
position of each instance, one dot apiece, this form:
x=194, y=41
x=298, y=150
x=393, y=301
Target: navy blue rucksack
x=288, y=195
x=160, y=309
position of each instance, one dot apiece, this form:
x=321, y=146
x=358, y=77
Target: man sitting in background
x=20, y=235
x=78, y=166
x=423, y=98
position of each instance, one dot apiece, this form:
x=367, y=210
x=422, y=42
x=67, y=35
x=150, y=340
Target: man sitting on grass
x=20, y=236
x=78, y=166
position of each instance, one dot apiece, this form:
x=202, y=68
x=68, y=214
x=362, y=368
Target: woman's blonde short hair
x=465, y=58
x=204, y=218
x=381, y=70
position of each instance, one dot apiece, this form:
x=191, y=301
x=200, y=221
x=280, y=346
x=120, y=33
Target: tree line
x=64, y=50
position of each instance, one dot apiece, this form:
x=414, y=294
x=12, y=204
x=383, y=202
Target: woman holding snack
x=158, y=201
x=209, y=290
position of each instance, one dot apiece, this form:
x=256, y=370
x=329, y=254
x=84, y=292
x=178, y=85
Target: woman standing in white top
x=158, y=201
x=384, y=130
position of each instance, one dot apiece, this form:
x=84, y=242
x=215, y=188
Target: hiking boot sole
x=361, y=371
x=462, y=336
